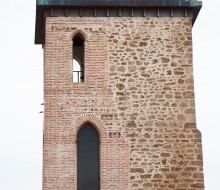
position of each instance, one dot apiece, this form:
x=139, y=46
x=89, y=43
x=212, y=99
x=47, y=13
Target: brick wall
x=138, y=93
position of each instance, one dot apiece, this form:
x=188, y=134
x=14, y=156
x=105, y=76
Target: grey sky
x=206, y=43
x=21, y=83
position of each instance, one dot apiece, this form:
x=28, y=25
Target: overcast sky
x=21, y=84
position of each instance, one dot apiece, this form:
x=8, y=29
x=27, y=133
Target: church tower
x=119, y=95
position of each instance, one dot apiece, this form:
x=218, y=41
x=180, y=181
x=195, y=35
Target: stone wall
x=138, y=93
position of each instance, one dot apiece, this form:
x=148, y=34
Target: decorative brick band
x=85, y=101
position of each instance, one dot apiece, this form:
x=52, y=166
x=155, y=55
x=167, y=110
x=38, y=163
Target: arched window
x=78, y=58
x=88, y=168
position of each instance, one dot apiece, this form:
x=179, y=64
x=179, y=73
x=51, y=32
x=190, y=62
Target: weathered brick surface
x=138, y=93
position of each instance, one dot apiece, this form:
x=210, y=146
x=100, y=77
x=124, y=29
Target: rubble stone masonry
x=138, y=93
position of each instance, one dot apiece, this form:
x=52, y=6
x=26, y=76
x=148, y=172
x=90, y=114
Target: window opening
x=78, y=58
x=88, y=168
x=78, y=74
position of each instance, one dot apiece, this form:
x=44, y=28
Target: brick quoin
x=138, y=92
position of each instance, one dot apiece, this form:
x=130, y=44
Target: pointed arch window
x=78, y=50
x=88, y=169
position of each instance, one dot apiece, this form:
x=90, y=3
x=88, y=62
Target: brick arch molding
x=78, y=31
x=90, y=119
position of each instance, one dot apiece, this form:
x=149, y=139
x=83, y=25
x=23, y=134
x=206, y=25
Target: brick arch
x=79, y=31
x=90, y=119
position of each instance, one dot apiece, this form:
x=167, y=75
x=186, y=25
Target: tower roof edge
x=124, y=3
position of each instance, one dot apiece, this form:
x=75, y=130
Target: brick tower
x=119, y=95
